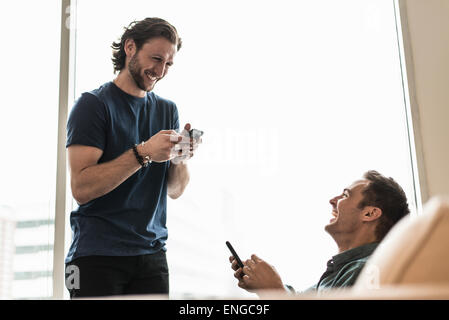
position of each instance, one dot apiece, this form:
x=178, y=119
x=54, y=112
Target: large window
x=28, y=136
x=297, y=100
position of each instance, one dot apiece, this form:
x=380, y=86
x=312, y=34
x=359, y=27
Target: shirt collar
x=354, y=254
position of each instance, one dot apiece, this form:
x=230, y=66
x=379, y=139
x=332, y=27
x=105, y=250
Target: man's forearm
x=100, y=179
x=178, y=178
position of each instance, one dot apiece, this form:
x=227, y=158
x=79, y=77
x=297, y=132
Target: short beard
x=135, y=70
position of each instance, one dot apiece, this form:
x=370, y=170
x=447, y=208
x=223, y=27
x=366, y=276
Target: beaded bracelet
x=139, y=158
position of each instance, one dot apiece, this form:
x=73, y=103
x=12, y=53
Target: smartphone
x=236, y=256
x=195, y=133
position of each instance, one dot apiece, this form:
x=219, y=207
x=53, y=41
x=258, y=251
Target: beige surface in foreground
x=410, y=292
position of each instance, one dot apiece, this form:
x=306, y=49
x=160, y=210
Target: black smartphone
x=236, y=256
x=195, y=133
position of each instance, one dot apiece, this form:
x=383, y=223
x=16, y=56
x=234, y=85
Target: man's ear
x=371, y=213
x=130, y=47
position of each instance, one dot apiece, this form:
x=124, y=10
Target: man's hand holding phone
x=236, y=264
x=254, y=274
x=185, y=149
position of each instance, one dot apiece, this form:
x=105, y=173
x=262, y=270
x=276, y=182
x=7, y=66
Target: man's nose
x=334, y=200
x=159, y=70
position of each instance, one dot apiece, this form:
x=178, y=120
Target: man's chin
x=329, y=227
x=144, y=86
x=148, y=87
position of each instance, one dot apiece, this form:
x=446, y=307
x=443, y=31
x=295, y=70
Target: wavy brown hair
x=141, y=32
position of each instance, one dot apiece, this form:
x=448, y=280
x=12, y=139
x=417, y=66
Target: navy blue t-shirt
x=131, y=219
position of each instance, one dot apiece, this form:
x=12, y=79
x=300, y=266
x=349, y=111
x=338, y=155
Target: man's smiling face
x=151, y=62
x=345, y=210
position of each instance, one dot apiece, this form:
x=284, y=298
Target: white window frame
x=411, y=104
x=63, y=200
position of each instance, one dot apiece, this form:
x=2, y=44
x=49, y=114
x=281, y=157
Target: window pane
x=297, y=100
x=28, y=134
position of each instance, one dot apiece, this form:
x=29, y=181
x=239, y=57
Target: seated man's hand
x=238, y=271
x=257, y=274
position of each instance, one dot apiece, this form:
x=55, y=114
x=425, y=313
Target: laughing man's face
x=345, y=211
x=151, y=62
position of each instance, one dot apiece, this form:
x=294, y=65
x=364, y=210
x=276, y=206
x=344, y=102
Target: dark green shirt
x=344, y=268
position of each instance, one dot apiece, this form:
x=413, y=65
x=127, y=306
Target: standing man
x=361, y=217
x=120, y=142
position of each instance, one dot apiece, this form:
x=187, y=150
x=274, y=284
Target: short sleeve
x=87, y=122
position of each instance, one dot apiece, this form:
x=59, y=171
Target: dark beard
x=134, y=70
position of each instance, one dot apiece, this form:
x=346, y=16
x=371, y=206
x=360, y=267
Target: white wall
x=426, y=35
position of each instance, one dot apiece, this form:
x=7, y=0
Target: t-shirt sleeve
x=87, y=123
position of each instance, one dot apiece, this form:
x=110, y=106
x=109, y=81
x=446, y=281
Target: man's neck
x=346, y=242
x=126, y=83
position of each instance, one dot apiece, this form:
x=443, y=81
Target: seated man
x=362, y=216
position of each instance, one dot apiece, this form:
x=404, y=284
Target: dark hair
x=141, y=32
x=387, y=195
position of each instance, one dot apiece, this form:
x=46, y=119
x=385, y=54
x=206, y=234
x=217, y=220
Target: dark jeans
x=109, y=275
